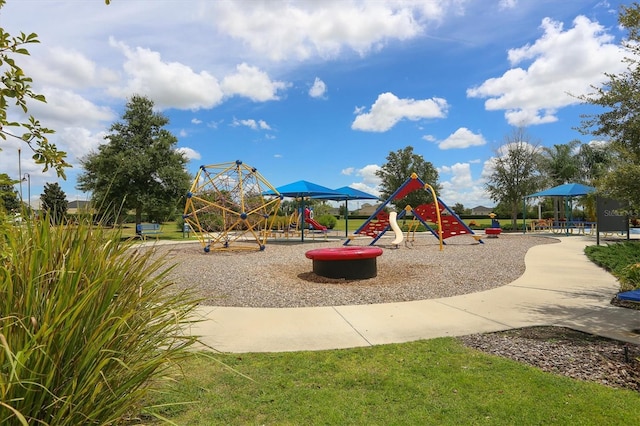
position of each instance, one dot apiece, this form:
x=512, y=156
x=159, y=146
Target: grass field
x=431, y=382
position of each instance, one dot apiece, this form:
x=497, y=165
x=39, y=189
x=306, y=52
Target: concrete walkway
x=560, y=287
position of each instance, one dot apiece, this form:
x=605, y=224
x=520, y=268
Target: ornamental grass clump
x=87, y=327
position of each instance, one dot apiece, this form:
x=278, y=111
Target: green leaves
x=15, y=88
x=87, y=325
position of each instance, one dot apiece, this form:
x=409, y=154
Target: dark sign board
x=612, y=216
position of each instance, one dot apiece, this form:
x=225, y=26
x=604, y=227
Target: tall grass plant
x=87, y=328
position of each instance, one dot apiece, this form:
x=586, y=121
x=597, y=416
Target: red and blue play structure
x=449, y=224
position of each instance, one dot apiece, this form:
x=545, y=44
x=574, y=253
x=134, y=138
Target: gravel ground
x=281, y=275
x=566, y=352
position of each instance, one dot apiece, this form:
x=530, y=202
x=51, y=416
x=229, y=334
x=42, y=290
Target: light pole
x=20, y=174
x=27, y=177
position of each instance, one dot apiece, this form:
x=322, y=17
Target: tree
x=459, y=209
x=595, y=161
x=515, y=172
x=620, y=124
x=560, y=164
x=398, y=168
x=138, y=168
x=15, y=87
x=8, y=195
x=54, y=201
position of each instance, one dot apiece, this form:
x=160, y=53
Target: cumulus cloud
x=251, y=123
x=458, y=186
x=368, y=175
x=78, y=142
x=68, y=68
x=348, y=171
x=190, y=153
x=196, y=121
x=461, y=174
x=318, y=89
x=168, y=84
x=65, y=108
x=462, y=138
x=388, y=110
x=559, y=66
x=300, y=30
x=252, y=83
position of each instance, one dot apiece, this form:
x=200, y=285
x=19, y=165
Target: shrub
x=621, y=259
x=87, y=326
x=327, y=220
x=630, y=276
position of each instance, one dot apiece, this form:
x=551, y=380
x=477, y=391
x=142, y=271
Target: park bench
x=145, y=229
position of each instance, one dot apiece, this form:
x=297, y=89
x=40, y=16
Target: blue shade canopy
x=303, y=188
x=347, y=193
x=565, y=190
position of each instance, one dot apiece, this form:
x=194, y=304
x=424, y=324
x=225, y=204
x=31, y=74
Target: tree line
x=140, y=169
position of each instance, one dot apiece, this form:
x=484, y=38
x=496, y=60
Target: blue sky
x=317, y=90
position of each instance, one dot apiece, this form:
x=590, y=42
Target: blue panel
x=633, y=295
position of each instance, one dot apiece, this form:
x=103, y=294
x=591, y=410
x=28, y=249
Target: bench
x=144, y=229
x=351, y=263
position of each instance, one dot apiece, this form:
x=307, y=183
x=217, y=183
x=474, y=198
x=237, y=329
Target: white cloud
x=190, y=153
x=348, y=171
x=252, y=83
x=78, y=142
x=369, y=189
x=561, y=65
x=300, y=30
x=388, y=110
x=319, y=89
x=461, y=174
x=169, y=85
x=368, y=174
x=65, y=108
x=68, y=68
x=251, y=123
x=196, y=121
x=507, y=4
x=462, y=138
x=460, y=187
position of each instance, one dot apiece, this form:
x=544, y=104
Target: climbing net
x=227, y=207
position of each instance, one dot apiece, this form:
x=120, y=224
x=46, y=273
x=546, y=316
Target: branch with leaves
x=15, y=87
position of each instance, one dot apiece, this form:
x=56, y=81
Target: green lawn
x=430, y=382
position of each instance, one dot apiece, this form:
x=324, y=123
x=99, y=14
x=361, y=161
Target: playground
x=282, y=276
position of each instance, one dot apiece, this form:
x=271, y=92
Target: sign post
x=611, y=217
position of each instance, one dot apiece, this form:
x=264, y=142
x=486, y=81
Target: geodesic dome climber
x=226, y=207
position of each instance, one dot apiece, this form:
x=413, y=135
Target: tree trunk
x=138, y=215
x=514, y=215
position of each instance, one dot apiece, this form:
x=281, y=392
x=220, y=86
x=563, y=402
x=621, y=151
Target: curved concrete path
x=560, y=287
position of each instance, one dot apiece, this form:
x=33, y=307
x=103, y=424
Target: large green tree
x=400, y=165
x=15, y=89
x=9, y=201
x=54, y=202
x=138, y=168
x=620, y=123
x=515, y=172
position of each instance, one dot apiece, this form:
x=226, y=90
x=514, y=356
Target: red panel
x=410, y=186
